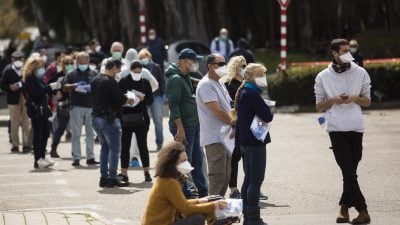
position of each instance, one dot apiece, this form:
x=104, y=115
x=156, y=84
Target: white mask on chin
x=184, y=167
x=261, y=81
x=136, y=76
x=346, y=58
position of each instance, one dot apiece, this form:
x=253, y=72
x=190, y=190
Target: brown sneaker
x=362, y=218
x=343, y=216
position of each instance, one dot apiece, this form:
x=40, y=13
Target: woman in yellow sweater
x=166, y=196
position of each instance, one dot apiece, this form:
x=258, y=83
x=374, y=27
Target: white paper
x=133, y=96
x=19, y=84
x=270, y=102
x=225, y=134
x=259, y=128
x=138, y=93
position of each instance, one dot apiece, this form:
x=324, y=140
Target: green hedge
x=296, y=86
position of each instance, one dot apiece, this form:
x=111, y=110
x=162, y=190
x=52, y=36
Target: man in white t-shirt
x=213, y=106
x=340, y=91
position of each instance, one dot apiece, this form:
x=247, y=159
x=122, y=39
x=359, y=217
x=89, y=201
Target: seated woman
x=166, y=196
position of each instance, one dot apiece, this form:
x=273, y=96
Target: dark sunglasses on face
x=219, y=63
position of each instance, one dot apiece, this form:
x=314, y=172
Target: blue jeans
x=254, y=163
x=195, y=157
x=110, y=141
x=81, y=116
x=157, y=114
x=59, y=131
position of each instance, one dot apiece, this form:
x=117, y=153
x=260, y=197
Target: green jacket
x=181, y=97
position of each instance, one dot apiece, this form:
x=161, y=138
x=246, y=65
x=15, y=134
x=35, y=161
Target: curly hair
x=167, y=158
x=233, y=64
x=32, y=63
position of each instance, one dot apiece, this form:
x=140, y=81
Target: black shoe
x=263, y=197
x=76, y=162
x=92, y=162
x=103, y=182
x=14, y=149
x=117, y=182
x=26, y=149
x=147, y=177
x=124, y=178
x=53, y=154
x=35, y=165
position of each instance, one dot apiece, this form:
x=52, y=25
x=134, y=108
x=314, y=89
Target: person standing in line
x=222, y=44
x=37, y=95
x=183, y=118
x=11, y=82
x=77, y=83
x=243, y=50
x=355, y=52
x=213, y=106
x=62, y=105
x=135, y=120
x=248, y=104
x=107, y=108
x=232, y=82
x=340, y=91
x=158, y=96
x=156, y=47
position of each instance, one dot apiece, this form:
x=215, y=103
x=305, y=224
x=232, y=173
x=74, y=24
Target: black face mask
x=340, y=68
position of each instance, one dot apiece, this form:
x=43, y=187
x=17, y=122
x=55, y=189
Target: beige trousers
x=219, y=169
x=19, y=117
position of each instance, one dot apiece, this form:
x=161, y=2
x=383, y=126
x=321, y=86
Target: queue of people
x=114, y=99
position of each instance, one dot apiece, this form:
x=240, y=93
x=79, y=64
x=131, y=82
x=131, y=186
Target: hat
x=17, y=54
x=188, y=53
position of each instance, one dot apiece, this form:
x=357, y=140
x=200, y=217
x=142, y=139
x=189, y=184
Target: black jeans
x=41, y=133
x=347, y=148
x=234, y=167
x=57, y=134
x=141, y=138
x=194, y=219
x=254, y=163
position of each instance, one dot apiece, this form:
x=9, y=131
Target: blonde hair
x=250, y=72
x=32, y=63
x=143, y=53
x=233, y=64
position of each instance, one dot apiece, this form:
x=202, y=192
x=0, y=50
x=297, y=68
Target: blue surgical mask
x=40, y=73
x=83, y=67
x=145, y=61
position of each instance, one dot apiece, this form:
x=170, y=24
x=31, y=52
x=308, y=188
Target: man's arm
x=218, y=112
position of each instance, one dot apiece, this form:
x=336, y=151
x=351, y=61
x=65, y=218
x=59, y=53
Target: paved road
x=302, y=181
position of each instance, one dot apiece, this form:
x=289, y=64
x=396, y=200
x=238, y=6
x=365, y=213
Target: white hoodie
x=354, y=81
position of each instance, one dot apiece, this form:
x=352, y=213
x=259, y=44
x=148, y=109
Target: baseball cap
x=188, y=53
x=17, y=54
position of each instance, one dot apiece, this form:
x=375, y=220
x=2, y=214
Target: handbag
x=36, y=111
x=132, y=120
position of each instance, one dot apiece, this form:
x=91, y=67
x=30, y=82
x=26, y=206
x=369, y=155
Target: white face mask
x=346, y=58
x=241, y=72
x=93, y=67
x=184, y=167
x=353, y=50
x=261, y=81
x=136, y=76
x=98, y=48
x=221, y=71
x=44, y=58
x=18, y=64
x=152, y=36
x=194, y=67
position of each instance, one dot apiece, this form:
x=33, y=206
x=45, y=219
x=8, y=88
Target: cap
x=17, y=54
x=188, y=53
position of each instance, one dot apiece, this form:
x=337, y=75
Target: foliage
x=296, y=86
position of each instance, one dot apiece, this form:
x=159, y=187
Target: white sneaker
x=42, y=163
x=50, y=162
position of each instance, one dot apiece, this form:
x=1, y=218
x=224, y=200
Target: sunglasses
x=219, y=63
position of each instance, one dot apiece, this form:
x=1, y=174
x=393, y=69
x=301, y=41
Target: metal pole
x=142, y=22
x=283, y=38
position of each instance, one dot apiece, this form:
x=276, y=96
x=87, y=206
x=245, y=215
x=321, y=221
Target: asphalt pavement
x=303, y=182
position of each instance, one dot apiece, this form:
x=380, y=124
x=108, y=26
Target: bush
x=296, y=85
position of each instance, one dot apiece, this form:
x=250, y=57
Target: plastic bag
x=259, y=128
x=234, y=209
x=225, y=133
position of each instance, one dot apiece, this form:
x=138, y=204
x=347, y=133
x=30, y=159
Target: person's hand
x=180, y=136
x=220, y=204
x=53, y=86
x=81, y=83
x=350, y=99
x=338, y=99
x=14, y=87
x=130, y=101
x=59, y=95
x=203, y=200
x=141, y=98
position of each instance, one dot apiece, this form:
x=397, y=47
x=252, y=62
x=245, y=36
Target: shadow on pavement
x=117, y=191
x=141, y=185
x=264, y=205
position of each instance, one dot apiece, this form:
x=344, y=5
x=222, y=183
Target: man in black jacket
x=12, y=84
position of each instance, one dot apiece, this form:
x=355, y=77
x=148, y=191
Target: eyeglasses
x=219, y=63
